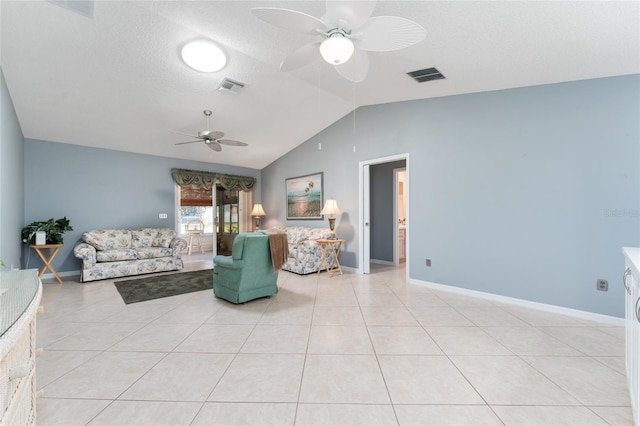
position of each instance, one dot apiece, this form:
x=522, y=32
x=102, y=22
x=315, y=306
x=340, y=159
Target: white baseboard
x=591, y=316
x=62, y=274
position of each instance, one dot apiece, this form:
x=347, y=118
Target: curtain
x=198, y=180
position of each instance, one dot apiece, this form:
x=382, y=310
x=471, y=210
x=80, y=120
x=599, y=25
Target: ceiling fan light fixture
x=336, y=49
x=203, y=56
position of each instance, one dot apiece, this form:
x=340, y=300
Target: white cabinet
x=631, y=283
x=402, y=243
x=20, y=293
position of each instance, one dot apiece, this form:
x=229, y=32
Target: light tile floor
x=347, y=350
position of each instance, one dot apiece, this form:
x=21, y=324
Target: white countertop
x=17, y=290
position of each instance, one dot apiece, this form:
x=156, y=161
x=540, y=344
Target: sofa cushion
x=115, y=255
x=144, y=237
x=164, y=237
x=298, y=234
x=320, y=234
x=108, y=239
x=153, y=252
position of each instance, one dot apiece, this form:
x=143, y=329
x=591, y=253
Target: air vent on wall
x=83, y=7
x=229, y=85
x=427, y=74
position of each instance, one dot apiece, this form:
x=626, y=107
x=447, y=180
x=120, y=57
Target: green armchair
x=248, y=273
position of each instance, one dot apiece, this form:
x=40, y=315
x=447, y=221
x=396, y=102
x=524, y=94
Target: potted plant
x=53, y=228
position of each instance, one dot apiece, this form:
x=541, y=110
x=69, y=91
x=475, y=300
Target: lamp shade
x=258, y=210
x=204, y=56
x=337, y=49
x=330, y=207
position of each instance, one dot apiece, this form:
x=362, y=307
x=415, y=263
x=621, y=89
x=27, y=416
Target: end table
x=325, y=246
x=55, y=248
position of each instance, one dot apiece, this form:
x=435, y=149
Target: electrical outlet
x=428, y=262
x=163, y=216
x=602, y=285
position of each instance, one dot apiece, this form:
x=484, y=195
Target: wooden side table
x=325, y=246
x=55, y=248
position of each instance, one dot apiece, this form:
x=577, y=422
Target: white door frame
x=177, y=224
x=365, y=204
x=214, y=234
x=364, y=258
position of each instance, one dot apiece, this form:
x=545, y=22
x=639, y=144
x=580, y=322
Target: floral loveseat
x=304, y=252
x=112, y=253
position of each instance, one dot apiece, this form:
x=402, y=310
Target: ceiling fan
x=211, y=138
x=348, y=31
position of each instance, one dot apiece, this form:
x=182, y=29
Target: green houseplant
x=53, y=228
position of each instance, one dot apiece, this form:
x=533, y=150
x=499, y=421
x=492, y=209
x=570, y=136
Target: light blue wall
x=527, y=193
x=101, y=189
x=11, y=179
x=381, y=205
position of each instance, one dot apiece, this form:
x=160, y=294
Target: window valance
x=199, y=179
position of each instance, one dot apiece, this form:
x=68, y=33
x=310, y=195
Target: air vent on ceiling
x=229, y=85
x=83, y=7
x=427, y=74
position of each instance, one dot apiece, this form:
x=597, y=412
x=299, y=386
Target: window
x=196, y=204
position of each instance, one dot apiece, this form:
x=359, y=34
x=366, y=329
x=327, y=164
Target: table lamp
x=257, y=212
x=331, y=208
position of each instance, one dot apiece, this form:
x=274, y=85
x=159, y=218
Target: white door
x=366, y=229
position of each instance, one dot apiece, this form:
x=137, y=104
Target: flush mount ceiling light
x=204, y=56
x=337, y=49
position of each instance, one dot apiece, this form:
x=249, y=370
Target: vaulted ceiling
x=115, y=79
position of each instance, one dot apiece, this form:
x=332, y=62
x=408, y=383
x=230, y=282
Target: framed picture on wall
x=304, y=197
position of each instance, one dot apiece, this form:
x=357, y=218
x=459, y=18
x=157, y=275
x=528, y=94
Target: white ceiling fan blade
x=355, y=13
x=356, y=68
x=289, y=19
x=301, y=57
x=386, y=33
x=231, y=142
x=214, y=146
x=184, y=143
x=185, y=134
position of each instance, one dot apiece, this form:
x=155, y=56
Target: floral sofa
x=304, y=252
x=113, y=253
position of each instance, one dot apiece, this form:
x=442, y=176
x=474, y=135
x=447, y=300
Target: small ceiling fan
x=211, y=138
x=348, y=31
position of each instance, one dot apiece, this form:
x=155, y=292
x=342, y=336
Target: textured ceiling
x=116, y=81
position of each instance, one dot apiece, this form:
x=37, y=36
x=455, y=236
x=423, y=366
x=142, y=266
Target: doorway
x=224, y=213
x=227, y=219
x=400, y=216
x=368, y=229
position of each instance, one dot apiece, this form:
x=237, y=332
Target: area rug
x=149, y=288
